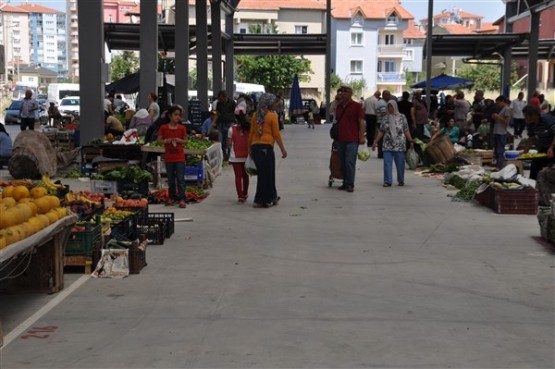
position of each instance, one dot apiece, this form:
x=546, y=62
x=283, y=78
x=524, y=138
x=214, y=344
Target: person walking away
x=226, y=117
x=477, y=109
x=502, y=119
x=419, y=114
x=173, y=135
x=395, y=133
x=370, y=111
x=462, y=108
x=518, y=117
x=238, y=141
x=5, y=146
x=280, y=111
x=153, y=107
x=351, y=125
x=27, y=111
x=404, y=107
x=264, y=133
x=541, y=133
x=382, y=116
x=535, y=99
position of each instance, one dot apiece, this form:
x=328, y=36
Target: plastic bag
x=250, y=167
x=363, y=153
x=412, y=158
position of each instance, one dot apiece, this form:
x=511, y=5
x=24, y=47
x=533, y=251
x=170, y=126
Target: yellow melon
x=62, y=212
x=43, y=205
x=10, y=218
x=54, y=201
x=2, y=239
x=9, y=202
x=38, y=191
x=25, y=212
x=33, y=207
x=13, y=234
x=36, y=223
x=44, y=220
x=8, y=191
x=20, y=192
x=52, y=216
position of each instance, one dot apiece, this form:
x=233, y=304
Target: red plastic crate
x=523, y=201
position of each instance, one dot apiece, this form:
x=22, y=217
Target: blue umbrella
x=295, y=100
x=445, y=82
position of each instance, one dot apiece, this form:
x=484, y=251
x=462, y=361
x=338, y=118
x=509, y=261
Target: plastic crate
x=83, y=243
x=168, y=219
x=523, y=201
x=485, y=197
x=106, y=187
x=194, y=174
x=141, y=187
x=153, y=231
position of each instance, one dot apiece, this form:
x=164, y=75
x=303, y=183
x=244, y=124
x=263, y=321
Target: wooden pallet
x=80, y=261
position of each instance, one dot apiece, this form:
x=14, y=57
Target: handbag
x=334, y=131
x=250, y=167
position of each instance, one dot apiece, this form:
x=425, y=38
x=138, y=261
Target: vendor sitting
x=112, y=125
x=208, y=124
x=541, y=135
x=5, y=146
x=450, y=130
x=141, y=121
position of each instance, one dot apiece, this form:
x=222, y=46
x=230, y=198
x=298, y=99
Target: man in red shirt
x=351, y=127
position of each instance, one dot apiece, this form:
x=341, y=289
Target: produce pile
x=26, y=208
x=132, y=174
x=84, y=204
x=193, y=144
x=192, y=194
x=114, y=215
x=530, y=156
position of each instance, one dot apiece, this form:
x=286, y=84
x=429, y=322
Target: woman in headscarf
x=395, y=133
x=264, y=133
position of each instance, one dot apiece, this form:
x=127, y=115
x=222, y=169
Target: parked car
x=70, y=105
x=12, y=113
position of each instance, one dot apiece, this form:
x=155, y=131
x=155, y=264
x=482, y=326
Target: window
x=301, y=29
x=356, y=66
x=356, y=38
x=392, y=19
x=408, y=41
x=386, y=66
x=390, y=39
x=409, y=54
x=242, y=30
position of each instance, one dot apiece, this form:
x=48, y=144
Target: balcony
x=391, y=77
x=391, y=51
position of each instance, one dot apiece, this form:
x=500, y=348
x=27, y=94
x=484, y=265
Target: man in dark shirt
x=541, y=134
x=226, y=116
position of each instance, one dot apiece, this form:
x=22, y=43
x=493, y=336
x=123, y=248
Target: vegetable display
x=133, y=174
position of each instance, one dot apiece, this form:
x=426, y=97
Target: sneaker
x=182, y=204
x=350, y=189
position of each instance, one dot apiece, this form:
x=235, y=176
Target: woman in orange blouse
x=264, y=133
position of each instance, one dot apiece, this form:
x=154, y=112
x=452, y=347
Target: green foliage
x=275, y=72
x=124, y=64
x=485, y=76
x=166, y=65
x=410, y=78
x=335, y=82
x=358, y=86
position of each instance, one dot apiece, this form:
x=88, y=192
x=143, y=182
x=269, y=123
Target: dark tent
x=130, y=85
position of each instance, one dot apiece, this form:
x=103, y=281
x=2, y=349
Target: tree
x=275, y=72
x=124, y=65
x=335, y=82
x=358, y=86
x=486, y=76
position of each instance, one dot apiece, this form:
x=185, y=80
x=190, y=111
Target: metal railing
x=396, y=49
x=391, y=77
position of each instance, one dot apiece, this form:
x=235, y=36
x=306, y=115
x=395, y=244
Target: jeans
x=176, y=173
x=388, y=158
x=241, y=180
x=223, y=129
x=265, y=160
x=499, y=150
x=27, y=123
x=519, y=126
x=347, y=158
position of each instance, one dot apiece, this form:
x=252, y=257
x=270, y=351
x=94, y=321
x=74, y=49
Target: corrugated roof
x=413, y=31
x=379, y=9
x=37, y=8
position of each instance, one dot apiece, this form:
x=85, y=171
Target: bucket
x=441, y=150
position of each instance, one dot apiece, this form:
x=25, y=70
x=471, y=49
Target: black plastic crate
x=141, y=187
x=153, y=231
x=168, y=219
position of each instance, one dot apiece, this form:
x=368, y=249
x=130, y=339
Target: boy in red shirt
x=173, y=135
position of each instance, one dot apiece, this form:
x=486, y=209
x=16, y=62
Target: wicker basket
x=441, y=150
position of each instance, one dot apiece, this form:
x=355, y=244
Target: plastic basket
x=168, y=219
x=153, y=231
x=106, y=187
x=83, y=243
x=523, y=201
x=141, y=187
x=195, y=173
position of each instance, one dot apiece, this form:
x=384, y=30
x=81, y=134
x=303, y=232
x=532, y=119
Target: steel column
x=182, y=54
x=216, y=27
x=202, y=53
x=533, y=52
x=149, y=50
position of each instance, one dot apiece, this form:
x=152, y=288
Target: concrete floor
x=398, y=277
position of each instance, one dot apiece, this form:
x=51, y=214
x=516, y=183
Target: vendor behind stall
x=541, y=133
x=141, y=121
x=112, y=125
x=5, y=146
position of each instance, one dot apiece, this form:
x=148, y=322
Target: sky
x=491, y=10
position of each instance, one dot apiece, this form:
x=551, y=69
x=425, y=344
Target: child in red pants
x=238, y=139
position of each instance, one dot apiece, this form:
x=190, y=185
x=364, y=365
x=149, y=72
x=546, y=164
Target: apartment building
x=47, y=38
x=15, y=37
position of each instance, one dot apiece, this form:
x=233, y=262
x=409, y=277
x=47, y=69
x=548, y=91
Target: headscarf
x=265, y=102
x=392, y=117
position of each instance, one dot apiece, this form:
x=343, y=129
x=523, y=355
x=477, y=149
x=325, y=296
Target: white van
x=57, y=91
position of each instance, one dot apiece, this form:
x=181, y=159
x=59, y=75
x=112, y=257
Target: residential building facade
x=15, y=38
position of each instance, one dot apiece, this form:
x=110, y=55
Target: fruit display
x=193, y=144
x=120, y=202
x=115, y=215
x=531, y=156
x=24, y=211
x=81, y=203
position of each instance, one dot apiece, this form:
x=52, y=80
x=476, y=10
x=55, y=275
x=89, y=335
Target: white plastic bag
x=363, y=153
x=412, y=158
x=250, y=167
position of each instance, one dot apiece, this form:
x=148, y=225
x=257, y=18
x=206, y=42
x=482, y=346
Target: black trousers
x=371, y=124
x=265, y=160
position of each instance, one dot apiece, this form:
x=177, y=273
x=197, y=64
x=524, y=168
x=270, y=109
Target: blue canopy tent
x=445, y=82
x=295, y=99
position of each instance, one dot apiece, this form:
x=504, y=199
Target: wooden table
x=45, y=250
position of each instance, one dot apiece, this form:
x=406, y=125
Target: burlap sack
x=32, y=156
